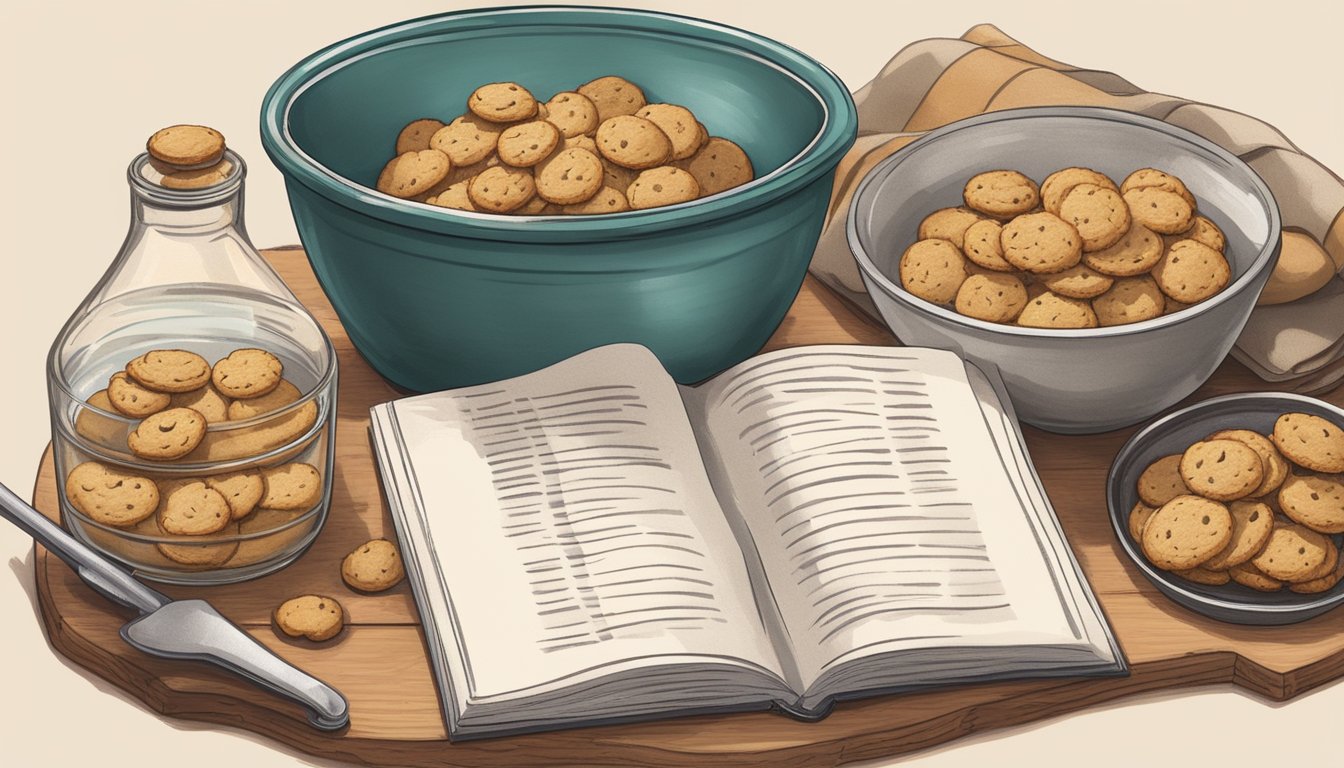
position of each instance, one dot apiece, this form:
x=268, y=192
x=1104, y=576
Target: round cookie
x=1079, y=282
x=1223, y=470
x=1252, y=522
x=1050, y=310
x=1276, y=468
x=1322, y=584
x=613, y=96
x=1293, y=553
x=461, y=173
x=409, y=174
x=620, y=178
x=129, y=398
x=1041, y=242
x=719, y=165
x=1310, y=441
x=1313, y=501
x=1139, y=516
x=283, y=394
x=1001, y=194
x=167, y=435
x=1201, y=231
x=1136, y=252
x=97, y=428
x=1191, y=272
x=679, y=125
x=1153, y=178
x=569, y=176
x=607, y=200
x=1130, y=300
x=572, y=113
x=466, y=141
x=186, y=145
x=416, y=135
x=109, y=496
x=315, y=617
x=204, y=552
x=199, y=178
x=1303, y=268
x=981, y=244
x=1248, y=575
x=633, y=142
x=1161, y=481
x=373, y=566
x=194, y=509
x=1326, y=568
x=456, y=196
x=933, y=270
x=291, y=487
x=206, y=401
x=1098, y=213
x=502, y=102
x=170, y=370
x=1205, y=576
x=995, y=297
x=247, y=373
x=526, y=144
x=501, y=189
x=242, y=491
x=951, y=224
x=1166, y=213
x=1058, y=184
x=1185, y=532
x=664, y=185
x=538, y=206
x=586, y=142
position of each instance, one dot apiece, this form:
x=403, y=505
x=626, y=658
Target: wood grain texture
x=380, y=661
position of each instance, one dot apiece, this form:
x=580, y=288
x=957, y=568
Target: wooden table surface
x=380, y=662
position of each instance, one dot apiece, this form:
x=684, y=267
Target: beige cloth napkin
x=934, y=82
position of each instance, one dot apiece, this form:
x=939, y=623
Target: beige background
x=86, y=83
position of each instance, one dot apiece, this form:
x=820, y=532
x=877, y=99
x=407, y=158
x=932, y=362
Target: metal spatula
x=181, y=629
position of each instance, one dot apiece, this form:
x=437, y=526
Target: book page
x=573, y=528
x=881, y=512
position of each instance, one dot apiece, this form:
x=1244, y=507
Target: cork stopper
x=188, y=157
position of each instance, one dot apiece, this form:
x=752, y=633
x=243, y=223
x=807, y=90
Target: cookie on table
x=412, y=173
x=291, y=487
x=466, y=141
x=606, y=200
x=1002, y=194
x=502, y=102
x=613, y=96
x=526, y=144
x=1222, y=470
x=1276, y=467
x=1293, y=553
x=242, y=491
x=1161, y=481
x=373, y=566
x=186, y=145
x=416, y=135
x=315, y=617
x=111, y=496
x=167, y=435
x=170, y=370
x=572, y=113
x=1166, y=213
x=1310, y=441
x=1136, y=252
x=1129, y=300
x=1252, y=522
x=993, y=296
x=569, y=176
x=1139, y=516
x=206, y=401
x=980, y=242
x=192, y=508
x=720, y=165
x=678, y=123
x=1191, y=272
x=1248, y=575
x=501, y=189
x=1314, y=501
x=951, y=224
x=1185, y=532
x=1050, y=310
x=247, y=373
x=1145, y=178
x=633, y=142
x=1041, y=242
x=130, y=398
x=1098, y=213
x=933, y=270
x=1079, y=282
x=664, y=185
x=1058, y=185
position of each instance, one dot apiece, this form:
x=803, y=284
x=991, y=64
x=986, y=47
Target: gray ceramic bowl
x=1072, y=381
x=1173, y=434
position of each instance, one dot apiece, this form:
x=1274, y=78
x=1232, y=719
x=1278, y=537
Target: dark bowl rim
x=874, y=276
x=1208, y=605
x=836, y=134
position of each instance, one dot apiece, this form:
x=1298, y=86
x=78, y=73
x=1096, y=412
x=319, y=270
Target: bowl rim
x=836, y=134
x=1189, y=598
x=875, y=276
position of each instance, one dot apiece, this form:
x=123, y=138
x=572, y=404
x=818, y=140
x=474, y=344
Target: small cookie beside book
x=1257, y=510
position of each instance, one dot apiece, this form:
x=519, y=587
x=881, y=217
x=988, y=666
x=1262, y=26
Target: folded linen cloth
x=930, y=83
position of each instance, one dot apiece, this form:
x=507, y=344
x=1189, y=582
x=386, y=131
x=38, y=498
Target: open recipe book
x=594, y=543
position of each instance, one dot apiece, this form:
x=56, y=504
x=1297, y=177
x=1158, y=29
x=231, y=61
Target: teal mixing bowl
x=438, y=298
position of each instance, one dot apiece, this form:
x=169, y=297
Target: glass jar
x=187, y=278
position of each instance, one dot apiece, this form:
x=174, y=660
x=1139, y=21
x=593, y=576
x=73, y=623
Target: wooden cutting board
x=380, y=661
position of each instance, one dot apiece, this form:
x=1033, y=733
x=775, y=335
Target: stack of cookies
x=188, y=156
x=1076, y=252
x=601, y=148
x=1239, y=506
